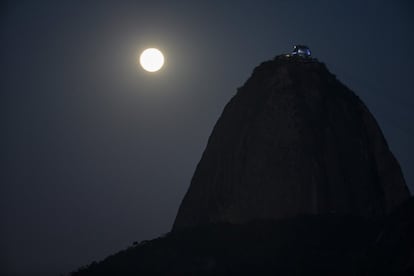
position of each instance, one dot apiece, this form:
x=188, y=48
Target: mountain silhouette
x=293, y=140
x=296, y=179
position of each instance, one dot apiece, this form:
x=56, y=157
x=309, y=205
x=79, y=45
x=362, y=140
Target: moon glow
x=151, y=59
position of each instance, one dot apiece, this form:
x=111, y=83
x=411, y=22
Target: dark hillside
x=305, y=245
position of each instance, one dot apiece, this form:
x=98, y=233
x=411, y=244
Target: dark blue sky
x=99, y=153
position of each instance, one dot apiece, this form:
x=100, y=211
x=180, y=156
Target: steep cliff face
x=293, y=140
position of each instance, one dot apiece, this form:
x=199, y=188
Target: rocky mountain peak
x=293, y=140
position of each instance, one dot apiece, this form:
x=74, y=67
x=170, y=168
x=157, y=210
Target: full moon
x=151, y=59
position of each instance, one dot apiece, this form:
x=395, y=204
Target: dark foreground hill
x=305, y=245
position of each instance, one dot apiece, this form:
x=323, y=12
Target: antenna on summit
x=301, y=50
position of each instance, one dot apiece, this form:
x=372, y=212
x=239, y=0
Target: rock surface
x=293, y=140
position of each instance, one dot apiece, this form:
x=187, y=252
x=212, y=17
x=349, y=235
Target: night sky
x=98, y=153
